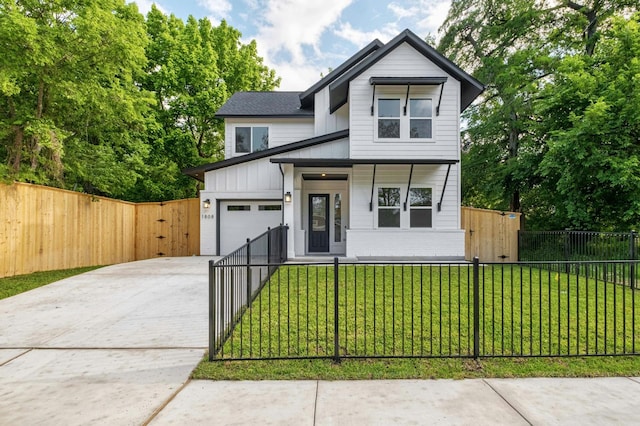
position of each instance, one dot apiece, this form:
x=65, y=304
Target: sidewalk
x=407, y=402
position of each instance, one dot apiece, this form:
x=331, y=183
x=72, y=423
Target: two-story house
x=365, y=163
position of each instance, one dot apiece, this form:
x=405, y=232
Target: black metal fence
x=236, y=280
x=368, y=310
x=577, y=245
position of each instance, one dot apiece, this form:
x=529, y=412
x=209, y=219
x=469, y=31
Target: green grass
x=427, y=311
x=10, y=286
x=358, y=369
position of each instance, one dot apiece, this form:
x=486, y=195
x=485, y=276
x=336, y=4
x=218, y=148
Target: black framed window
x=251, y=139
x=420, y=119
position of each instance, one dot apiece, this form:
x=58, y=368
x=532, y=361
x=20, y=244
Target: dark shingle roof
x=264, y=104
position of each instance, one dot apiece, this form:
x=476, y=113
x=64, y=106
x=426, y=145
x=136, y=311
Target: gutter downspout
x=282, y=173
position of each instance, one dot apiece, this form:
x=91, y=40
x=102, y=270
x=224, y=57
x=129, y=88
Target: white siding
x=254, y=180
x=281, y=131
x=404, y=62
x=328, y=123
x=406, y=244
x=431, y=176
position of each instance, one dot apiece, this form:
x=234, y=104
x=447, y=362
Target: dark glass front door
x=319, y=223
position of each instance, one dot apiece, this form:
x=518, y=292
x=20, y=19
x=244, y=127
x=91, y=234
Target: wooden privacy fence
x=44, y=228
x=490, y=235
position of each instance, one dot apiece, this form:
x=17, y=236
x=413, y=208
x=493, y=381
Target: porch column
x=289, y=216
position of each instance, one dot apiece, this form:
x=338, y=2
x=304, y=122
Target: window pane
x=420, y=197
x=388, y=107
x=243, y=139
x=420, y=107
x=238, y=208
x=260, y=138
x=420, y=129
x=388, y=128
x=319, y=213
x=269, y=207
x=420, y=218
x=337, y=219
x=389, y=218
x=388, y=197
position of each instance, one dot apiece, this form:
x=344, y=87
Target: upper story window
x=392, y=123
x=420, y=119
x=251, y=139
x=388, y=118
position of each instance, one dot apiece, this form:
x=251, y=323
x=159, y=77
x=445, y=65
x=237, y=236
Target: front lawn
x=10, y=286
x=427, y=311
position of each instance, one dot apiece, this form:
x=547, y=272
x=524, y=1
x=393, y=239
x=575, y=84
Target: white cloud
x=286, y=27
x=436, y=12
x=144, y=6
x=362, y=38
x=218, y=9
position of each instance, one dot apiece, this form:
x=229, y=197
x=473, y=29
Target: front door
x=318, y=223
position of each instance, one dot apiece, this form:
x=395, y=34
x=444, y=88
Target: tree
x=71, y=111
x=193, y=69
x=515, y=47
x=594, y=151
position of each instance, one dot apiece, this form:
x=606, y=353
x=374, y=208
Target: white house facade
x=364, y=164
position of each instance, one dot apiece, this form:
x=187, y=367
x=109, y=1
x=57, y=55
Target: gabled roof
x=471, y=88
x=199, y=171
x=307, y=97
x=264, y=104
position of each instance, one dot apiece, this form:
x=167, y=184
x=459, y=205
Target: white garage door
x=242, y=219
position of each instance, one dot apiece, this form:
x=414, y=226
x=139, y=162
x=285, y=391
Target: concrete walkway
x=116, y=346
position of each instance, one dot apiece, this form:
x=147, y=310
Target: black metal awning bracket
x=373, y=99
x=444, y=187
x=440, y=99
x=373, y=182
x=406, y=99
x=406, y=198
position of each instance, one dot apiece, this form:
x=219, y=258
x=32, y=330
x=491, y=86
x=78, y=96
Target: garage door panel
x=242, y=219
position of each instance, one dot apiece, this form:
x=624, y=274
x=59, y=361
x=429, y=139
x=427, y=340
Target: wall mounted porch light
x=206, y=204
x=287, y=197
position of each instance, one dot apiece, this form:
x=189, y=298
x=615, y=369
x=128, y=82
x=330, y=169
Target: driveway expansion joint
x=507, y=401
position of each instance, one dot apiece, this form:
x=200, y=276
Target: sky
x=304, y=39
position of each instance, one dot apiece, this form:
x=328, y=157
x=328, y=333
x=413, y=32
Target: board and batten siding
x=444, y=239
x=281, y=131
x=405, y=61
x=254, y=180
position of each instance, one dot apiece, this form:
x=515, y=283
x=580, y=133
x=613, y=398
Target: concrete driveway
x=110, y=346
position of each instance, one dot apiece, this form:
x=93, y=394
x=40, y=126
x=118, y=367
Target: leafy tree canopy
x=96, y=98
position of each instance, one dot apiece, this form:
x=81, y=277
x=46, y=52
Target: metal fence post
x=248, y=273
x=269, y=248
x=632, y=254
x=336, y=343
x=212, y=322
x=285, y=254
x=476, y=307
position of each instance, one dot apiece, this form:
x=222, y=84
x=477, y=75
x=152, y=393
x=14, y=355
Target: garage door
x=242, y=219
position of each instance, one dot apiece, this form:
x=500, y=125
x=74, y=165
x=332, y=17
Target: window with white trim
x=251, y=139
x=388, y=207
x=420, y=208
x=393, y=124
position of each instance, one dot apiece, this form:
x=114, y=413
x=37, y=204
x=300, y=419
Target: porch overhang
x=407, y=81
x=350, y=162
